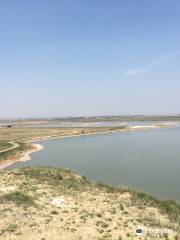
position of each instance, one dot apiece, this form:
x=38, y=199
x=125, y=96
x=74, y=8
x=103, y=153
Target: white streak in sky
x=156, y=62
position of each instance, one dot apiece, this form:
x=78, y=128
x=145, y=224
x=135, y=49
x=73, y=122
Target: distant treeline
x=103, y=118
x=120, y=118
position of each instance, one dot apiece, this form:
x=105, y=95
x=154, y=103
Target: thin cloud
x=135, y=71
x=156, y=62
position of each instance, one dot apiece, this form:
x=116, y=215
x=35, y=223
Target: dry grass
x=90, y=210
x=26, y=134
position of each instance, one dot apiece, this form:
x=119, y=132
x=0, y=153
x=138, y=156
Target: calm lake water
x=148, y=161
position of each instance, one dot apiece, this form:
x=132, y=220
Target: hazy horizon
x=87, y=116
x=89, y=58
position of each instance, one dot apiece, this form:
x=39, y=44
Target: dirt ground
x=56, y=204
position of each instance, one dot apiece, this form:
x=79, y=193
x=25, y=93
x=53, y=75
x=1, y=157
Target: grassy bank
x=29, y=207
x=15, y=153
x=4, y=145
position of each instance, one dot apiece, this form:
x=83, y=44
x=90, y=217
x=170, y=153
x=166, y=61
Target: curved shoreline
x=38, y=147
x=14, y=145
x=25, y=156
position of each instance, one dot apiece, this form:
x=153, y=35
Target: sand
x=25, y=156
x=38, y=147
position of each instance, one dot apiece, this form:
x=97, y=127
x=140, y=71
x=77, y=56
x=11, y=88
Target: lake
x=148, y=161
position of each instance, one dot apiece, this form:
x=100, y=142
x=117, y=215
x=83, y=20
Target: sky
x=89, y=57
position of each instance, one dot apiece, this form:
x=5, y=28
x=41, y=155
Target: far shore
x=127, y=129
x=38, y=147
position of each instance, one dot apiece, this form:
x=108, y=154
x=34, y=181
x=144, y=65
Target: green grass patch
x=14, y=152
x=12, y=227
x=5, y=145
x=19, y=198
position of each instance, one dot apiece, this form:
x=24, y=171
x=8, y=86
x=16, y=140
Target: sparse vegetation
x=88, y=208
x=4, y=145
x=18, y=198
x=22, y=136
x=15, y=152
x=169, y=207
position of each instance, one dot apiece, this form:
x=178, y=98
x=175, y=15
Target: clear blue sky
x=89, y=57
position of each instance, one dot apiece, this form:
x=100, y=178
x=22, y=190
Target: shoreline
x=76, y=135
x=87, y=200
x=127, y=129
x=26, y=156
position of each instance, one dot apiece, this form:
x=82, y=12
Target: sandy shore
x=25, y=156
x=38, y=147
x=128, y=129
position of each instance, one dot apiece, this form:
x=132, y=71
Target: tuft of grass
x=12, y=227
x=18, y=198
x=169, y=207
x=102, y=224
x=54, y=212
x=120, y=238
x=108, y=188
